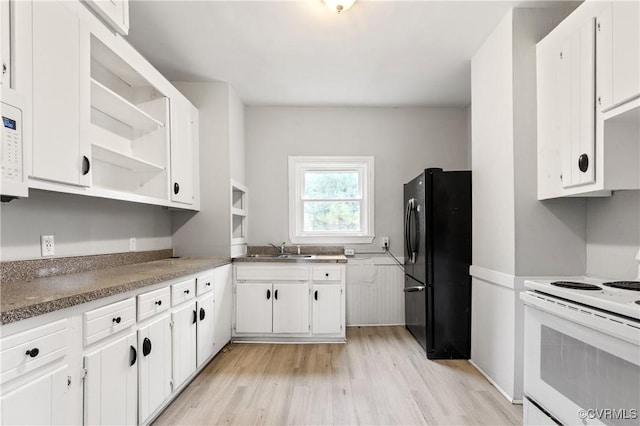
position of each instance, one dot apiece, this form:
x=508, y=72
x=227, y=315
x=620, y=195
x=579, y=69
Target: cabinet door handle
x=315, y=295
x=268, y=294
x=176, y=187
x=133, y=356
x=33, y=352
x=202, y=314
x=116, y=320
x=275, y=294
x=583, y=163
x=195, y=316
x=186, y=291
x=86, y=165
x=158, y=302
x=146, y=346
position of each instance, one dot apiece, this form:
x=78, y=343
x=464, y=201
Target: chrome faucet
x=280, y=249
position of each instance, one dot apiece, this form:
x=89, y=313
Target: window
x=331, y=200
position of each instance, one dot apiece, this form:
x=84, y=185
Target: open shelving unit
x=238, y=215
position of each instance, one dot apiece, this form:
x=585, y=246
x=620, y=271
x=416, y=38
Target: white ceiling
x=298, y=52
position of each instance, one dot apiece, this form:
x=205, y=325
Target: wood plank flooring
x=380, y=377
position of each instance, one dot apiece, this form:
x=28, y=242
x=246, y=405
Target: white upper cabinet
x=587, y=76
x=184, y=139
x=114, y=13
x=60, y=154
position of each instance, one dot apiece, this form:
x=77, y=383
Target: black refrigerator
x=437, y=234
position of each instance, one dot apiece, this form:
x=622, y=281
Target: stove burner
x=625, y=285
x=575, y=285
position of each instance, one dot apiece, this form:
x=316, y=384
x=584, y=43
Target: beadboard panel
x=374, y=293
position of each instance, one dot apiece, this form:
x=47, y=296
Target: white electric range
x=582, y=351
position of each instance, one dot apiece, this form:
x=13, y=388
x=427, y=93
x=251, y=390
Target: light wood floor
x=380, y=377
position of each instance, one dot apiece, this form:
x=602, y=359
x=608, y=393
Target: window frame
x=364, y=165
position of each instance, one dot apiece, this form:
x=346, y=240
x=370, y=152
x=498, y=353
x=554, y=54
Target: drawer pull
x=133, y=356
x=186, y=291
x=207, y=284
x=117, y=320
x=326, y=275
x=33, y=352
x=146, y=346
x=202, y=314
x=158, y=302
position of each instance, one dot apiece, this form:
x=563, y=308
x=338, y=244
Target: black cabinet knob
x=275, y=294
x=186, y=291
x=268, y=294
x=117, y=320
x=208, y=284
x=202, y=314
x=583, y=163
x=195, y=316
x=158, y=302
x=33, y=352
x=133, y=355
x=146, y=346
x=315, y=295
x=326, y=275
x=176, y=187
x=86, y=165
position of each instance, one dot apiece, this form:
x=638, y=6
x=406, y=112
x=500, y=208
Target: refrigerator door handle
x=408, y=237
x=413, y=289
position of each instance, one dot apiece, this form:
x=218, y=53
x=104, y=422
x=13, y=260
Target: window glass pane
x=331, y=216
x=319, y=185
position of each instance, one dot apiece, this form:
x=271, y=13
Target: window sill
x=345, y=239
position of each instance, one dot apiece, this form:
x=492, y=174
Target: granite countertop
x=339, y=258
x=24, y=299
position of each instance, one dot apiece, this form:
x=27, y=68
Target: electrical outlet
x=132, y=244
x=46, y=245
x=385, y=242
x=349, y=252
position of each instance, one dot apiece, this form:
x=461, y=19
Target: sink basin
x=282, y=256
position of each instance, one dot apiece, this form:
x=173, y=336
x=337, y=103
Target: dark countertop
x=29, y=298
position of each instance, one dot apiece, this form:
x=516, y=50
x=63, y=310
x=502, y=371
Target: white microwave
x=13, y=182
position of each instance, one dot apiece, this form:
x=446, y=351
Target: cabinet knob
x=158, y=302
x=176, y=188
x=117, y=320
x=583, y=163
x=146, y=346
x=326, y=275
x=268, y=294
x=208, y=284
x=133, y=356
x=195, y=316
x=186, y=291
x=315, y=295
x=202, y=314
x=275, y=294
x=33, y=352
x=4, y=68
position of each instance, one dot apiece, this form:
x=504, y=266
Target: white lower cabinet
x=223, y=313
x=154, y=356
x=206, y=327
x=254, y=311
x=327, y=305
x=184, y=342
x=290, y=303
x=291, y=308
x=111, y=384
x=39, y=401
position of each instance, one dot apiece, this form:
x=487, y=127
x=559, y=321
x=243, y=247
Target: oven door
x=578, y=374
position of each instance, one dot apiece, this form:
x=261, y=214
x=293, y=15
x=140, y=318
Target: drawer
x=153, y=302
x=205, y=284
x=327, y=273
x=26, y=351
x=108, y=320
x=272, y=273
x=181, y=292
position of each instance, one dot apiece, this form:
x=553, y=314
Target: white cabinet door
x=184, y=342
x=206, y=327
x=58, y=150
x=626, y=50
x=37, y=402
x=111, y=385
x=327, y=309
x=223, y=289
x=154, y=357
x=253, y=308
x=182, y=160
x=291, y=308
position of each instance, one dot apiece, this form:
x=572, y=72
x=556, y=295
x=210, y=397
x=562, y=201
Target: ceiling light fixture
x=339, y=6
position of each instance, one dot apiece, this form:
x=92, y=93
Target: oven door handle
x=620, y=327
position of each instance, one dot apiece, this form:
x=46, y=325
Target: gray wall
x=403, y=141
x=613, y=235
x=81, y=225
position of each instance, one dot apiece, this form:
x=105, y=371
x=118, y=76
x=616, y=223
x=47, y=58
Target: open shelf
x=117, y=107
x=111, y=156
